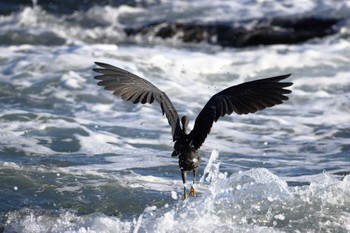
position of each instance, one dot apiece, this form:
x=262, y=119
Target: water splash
x=35, y=3
x=211, y=171
x=255, y=200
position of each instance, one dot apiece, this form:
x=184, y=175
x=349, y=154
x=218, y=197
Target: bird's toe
x=185, y=195
x=193, y=192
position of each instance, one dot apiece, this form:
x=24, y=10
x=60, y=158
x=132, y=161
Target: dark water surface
x=74, y=158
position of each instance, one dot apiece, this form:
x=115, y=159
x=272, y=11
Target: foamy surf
x=248, y=201
x=74, y=158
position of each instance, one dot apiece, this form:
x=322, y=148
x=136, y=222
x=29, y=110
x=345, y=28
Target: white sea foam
x=262, y=203
x=226, y=68
x=73, y=80
x=101, y=24
x=209, y=11
x=113, y=158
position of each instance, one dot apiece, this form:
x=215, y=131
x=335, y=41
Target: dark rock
x=264, y=32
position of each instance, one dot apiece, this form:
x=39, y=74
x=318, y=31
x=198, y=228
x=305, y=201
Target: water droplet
x=280, y=216
x=173, y=195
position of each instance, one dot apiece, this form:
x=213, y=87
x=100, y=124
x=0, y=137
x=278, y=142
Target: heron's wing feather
x=131, y=87
x=244, y=98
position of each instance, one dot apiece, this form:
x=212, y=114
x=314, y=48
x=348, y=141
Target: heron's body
x=244, y=98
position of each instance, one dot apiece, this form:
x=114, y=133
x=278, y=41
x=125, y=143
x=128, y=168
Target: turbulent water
x=75, y=158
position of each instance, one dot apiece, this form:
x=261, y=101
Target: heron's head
x=184, y=122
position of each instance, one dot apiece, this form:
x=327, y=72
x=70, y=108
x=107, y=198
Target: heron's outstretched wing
x=244, y=98
x=131, y=87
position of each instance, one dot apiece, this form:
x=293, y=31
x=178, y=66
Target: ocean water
x=75, y=158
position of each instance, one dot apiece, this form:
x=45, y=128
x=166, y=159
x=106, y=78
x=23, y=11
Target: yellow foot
x=185, y=195
x=192, y=192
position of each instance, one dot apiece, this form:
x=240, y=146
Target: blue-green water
x=75, y=158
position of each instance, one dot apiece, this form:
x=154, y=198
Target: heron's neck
x=184, y=121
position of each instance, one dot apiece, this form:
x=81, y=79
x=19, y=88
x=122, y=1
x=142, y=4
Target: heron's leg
x=192, y=190
x=183, y=174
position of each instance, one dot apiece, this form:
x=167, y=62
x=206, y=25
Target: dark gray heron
x=244, y=98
